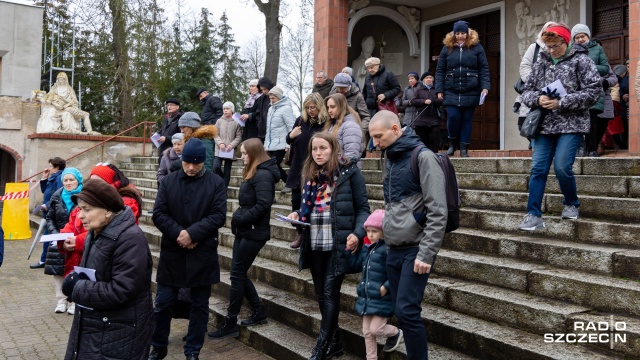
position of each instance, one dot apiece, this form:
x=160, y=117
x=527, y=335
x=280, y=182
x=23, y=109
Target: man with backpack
x=416, y=218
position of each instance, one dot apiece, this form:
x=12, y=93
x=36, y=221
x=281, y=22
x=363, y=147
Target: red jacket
x=74, y=226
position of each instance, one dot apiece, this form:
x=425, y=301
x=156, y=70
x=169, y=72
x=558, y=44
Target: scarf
x=66, y=195
x=317, y=192
x=251, y=100
x=316, y=121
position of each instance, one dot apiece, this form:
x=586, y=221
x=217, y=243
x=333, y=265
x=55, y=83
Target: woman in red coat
x=113, y=176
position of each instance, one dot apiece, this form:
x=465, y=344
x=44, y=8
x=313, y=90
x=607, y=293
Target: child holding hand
x=375, y=303
x=229, y=136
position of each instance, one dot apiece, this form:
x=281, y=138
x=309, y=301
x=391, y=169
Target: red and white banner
x=15, y=195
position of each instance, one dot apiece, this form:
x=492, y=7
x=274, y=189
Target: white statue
x=413, y=15
x=560, y=11
x=355, y=5
x=60, y=112
x=359, y=71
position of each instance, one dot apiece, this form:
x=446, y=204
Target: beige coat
x=229, y=133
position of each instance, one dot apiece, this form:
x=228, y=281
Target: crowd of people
x=394, y=249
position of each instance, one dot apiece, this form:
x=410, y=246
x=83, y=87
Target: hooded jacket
x=385, y=82
x=596, y=53
x=372, y=260
x=356, y=102
x=256, y=124
x=462, y=72
x=211, y=110
x=251, y=219
x=415, y=213
x=580, y=78
x=280, y=121
x=207, y=134
x=120, y=322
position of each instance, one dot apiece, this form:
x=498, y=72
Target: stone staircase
x=495, y=291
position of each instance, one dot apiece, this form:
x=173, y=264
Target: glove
x=516, y=107
x=70, y=282
x=605, y=84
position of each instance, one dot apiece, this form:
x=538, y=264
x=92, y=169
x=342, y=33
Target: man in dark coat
x=323, y=85
x=256, y=119
x=169, y=125
x=211, y=107
x=190, y=207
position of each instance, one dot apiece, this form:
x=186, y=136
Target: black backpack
x=451, y=185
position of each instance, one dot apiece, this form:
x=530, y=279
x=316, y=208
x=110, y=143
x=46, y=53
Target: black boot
x=452, y=146
x=258, y=316
x=464, y=149
x=319, y=351
x=157, y=353
x=334, y=349
x=229, y=328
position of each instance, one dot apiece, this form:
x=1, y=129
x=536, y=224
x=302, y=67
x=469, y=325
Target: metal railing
x=145, y=140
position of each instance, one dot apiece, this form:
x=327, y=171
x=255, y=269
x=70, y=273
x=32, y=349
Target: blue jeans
x=459, y=121
x=199, y=316
x=407, y=290
x=561, y=149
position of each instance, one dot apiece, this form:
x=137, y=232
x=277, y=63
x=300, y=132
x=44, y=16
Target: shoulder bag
x=387, y=104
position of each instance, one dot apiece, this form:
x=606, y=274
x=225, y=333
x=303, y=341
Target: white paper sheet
x=154, y=139
x=283, y=218
x=482, y=97
x=91, y=273
x=236, y=117
x=556, y=85
x=224, y=154
x=55, y=237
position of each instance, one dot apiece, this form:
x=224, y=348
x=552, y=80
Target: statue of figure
x=60, y=112
x=355, y=5
x=360, y=72
x=413, y=15
x=560, y=11
x=525, y=25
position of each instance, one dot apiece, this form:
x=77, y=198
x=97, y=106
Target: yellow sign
x=15, y=213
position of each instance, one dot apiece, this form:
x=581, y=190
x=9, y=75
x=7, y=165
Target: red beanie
x=105, y=173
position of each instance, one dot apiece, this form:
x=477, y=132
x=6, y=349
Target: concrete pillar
x=634, y=57
x=330, y=37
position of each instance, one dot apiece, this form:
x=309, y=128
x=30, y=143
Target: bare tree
x=271, y=11
x=297, y=64
x=253, y=56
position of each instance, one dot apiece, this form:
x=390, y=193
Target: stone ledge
x=96, y=138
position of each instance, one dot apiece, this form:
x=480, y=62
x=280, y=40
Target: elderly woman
x=462, y=77
x=380, y=85
x=114, y=315
x=170, y=156
x=566, y=122
x=280, y=121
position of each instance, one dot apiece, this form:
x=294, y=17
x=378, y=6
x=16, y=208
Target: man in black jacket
x=211, y=107
x=190, y=207
x=169, y=125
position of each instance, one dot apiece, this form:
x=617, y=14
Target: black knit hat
x=425, y=74
x=98, y=193
x=172, y=101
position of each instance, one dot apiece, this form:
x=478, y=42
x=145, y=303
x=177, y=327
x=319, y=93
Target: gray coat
x=357, y=103
x=280, y=121
x=350, y=138
x=579, y=77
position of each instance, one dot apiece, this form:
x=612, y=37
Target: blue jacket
x=349, y=211
x=373, y=261
x=49, y=186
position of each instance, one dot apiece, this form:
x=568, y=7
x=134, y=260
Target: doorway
x=7, y=170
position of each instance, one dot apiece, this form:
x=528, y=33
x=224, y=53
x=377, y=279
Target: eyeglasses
x=555, y=47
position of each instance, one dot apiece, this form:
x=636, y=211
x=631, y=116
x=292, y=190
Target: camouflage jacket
x=579, y=76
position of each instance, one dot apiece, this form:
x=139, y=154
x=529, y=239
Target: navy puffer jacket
x=372, y=259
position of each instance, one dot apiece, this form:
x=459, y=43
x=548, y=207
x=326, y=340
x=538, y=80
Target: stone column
x=330, y=36
x=634, y=57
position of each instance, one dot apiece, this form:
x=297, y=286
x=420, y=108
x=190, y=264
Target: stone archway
x=10, y=166
x=414, y=44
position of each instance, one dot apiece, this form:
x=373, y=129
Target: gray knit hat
x=276, y=91
x=253, y=82
x=177, y=137
x=580, y=29
x=348, y=70
x=189, y=119
x=229, y=105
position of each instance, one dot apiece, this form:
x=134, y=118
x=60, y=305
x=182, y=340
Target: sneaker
x=593, y=154
x=570, y=212
x=72, y=309
x=531, y=223
x=393, y=342
x=60, y=308
x=38, y=265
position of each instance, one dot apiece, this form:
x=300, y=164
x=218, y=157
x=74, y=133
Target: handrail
x=144, y=143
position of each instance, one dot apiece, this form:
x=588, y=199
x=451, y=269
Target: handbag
x=387, y=104
x=533, y=123
x=288, y=157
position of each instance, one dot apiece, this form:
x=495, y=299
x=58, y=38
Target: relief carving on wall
x=411, y=14
x=528, y=25
x=355, y=5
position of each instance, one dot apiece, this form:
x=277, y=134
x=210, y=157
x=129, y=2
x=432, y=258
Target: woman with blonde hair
x=335, y=204
x=344, y=124
x=312, y=120
x=250, y=225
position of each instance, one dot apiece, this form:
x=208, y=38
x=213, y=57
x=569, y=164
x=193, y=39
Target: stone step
x=597, y=185
x=145, y=183
x=603, y=259
x=592, y=231
x=140, y=174
x=283, y=278
x=143, y=166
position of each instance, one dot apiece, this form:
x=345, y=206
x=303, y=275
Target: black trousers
x=279, y=155
x=327, y=288
x=598, y=127
x=430, y=136
x=244, y=253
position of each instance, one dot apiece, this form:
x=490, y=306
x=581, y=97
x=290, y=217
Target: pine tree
x=231, y=67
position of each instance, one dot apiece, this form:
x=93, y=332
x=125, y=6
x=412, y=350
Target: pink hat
x=375, y=219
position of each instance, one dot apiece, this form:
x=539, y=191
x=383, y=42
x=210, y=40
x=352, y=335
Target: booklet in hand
x=283, y=218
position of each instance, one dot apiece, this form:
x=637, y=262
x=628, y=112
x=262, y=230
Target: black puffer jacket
x=121, y=322
x=385, y=83
x=349, y=211
x=169, y=128
x=251, y=219
x=211, y=110
x=256, y=124
x=57, y=218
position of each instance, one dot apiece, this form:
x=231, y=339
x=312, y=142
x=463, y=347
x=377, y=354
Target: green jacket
x=596, y=53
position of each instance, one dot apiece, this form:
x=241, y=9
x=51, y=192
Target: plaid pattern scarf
x=315, y=209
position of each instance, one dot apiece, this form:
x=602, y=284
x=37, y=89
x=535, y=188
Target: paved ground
x=30, y=330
